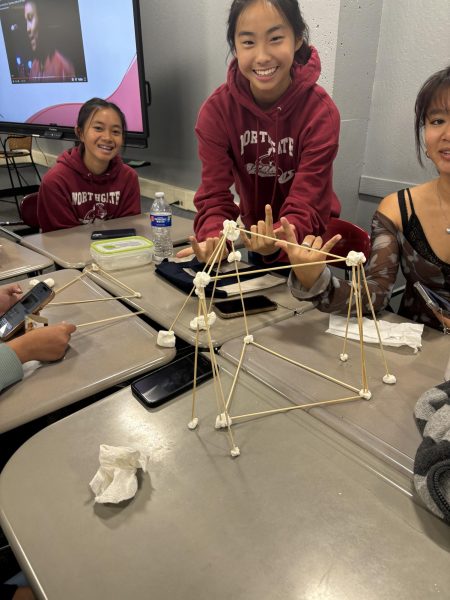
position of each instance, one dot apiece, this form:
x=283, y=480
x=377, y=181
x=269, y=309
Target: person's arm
x=331, y=293
x=130, y=195
x=44, y=344
x=214, y=201
x=55, y=210
x=11, y=370
x=311, y=199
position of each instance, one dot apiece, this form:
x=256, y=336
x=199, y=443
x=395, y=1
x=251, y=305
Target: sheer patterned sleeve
x=381, y=273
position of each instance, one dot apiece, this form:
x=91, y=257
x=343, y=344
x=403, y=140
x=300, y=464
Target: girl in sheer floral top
x=410, y=229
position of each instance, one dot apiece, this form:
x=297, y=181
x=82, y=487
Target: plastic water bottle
x=161, y=222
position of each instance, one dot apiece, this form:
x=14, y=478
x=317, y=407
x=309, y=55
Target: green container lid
x=122, y=246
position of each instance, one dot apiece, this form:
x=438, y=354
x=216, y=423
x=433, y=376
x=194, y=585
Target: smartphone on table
x=169, y=381
x=433, y=300
x=109, y=234
x=13, y=319
x=229, y=309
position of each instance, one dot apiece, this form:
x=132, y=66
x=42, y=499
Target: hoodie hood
x=282, y=156
x=304, y=78
x=73, y=159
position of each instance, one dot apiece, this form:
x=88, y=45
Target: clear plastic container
x=122, y=253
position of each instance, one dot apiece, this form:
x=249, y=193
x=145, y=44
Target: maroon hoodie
x=292, y=147
x=71, y=195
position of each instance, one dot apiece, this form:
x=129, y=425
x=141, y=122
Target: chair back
x=15, y=143
x=353, y=238
x=28, y=210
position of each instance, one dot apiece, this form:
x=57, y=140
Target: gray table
x=162, y=301
x=384, y=425
x=70, y=248
x=98, y=357
x=16, y=261
x=302, y=513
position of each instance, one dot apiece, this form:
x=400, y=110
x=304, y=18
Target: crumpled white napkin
x=116, y=480
x=392, y=334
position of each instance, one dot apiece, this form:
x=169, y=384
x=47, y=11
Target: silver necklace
x=447, y=229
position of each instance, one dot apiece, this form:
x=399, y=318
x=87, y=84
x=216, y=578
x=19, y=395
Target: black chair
x=18, y=147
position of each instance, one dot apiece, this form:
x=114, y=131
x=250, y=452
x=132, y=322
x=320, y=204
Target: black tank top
x=413, y=232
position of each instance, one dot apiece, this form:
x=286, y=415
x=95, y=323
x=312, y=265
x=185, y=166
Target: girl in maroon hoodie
x=270, y=130
x=90, y=181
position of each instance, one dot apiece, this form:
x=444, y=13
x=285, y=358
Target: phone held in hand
x=109, y=234
x=13, y=319
x=169, y=381
x=229, y=309
x=433, y=300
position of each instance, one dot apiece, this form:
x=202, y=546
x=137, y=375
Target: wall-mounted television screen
x=56, y=54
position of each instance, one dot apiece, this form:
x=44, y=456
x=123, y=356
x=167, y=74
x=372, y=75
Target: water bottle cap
x=159, y=195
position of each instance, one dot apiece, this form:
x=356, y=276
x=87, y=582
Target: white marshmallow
x=201, y=279
x=223, y=420
x=166, y=339
x=33, y=282
x=234, y=256
x=365, y=394
x=50, y=282
x=343, y=357
x=390, y=379
x=235, y=452
x=248, y=339
x=355, y=258
x=231, y=230
x=193, y=424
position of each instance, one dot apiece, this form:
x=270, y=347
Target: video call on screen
x=43, y=41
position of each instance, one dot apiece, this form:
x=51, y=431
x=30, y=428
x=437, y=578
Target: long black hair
x=290, y=11
x=87, y=112
x=432, y=90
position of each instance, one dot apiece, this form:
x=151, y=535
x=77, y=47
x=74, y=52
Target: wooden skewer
x=272, y=239
x=69, y=283
x=112, y=278
x=268, y=269
x=296, y=407
x=140, y=312
x=233, y=385
x=181, y=309
x=93, y=300
x=219, y=383
x=310, y=369
x=375, y=320
x=241, y=294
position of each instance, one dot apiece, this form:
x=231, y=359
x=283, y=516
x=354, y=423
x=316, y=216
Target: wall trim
x=374, y=186
x=183, y=196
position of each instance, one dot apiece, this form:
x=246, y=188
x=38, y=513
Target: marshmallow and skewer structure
x=205, y=320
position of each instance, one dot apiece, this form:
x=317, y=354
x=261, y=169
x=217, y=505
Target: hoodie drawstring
x=276, y=156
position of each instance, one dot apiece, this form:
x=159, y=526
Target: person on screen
x=270, y=130
x=90, y=181
x=48, y=64
x=410, y=229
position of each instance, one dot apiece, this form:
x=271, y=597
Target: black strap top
x=413, y=232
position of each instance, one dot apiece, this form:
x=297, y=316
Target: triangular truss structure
x=205, y=320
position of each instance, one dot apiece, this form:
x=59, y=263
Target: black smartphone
x=109, y=234
x=433, y=300
x=14, y=318
x=169, y=381
x=228, y=309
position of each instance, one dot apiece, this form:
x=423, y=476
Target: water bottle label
x=161, y=220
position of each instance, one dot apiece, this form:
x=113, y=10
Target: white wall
x=414, y=43
x=375, y=54
x=186, y=59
